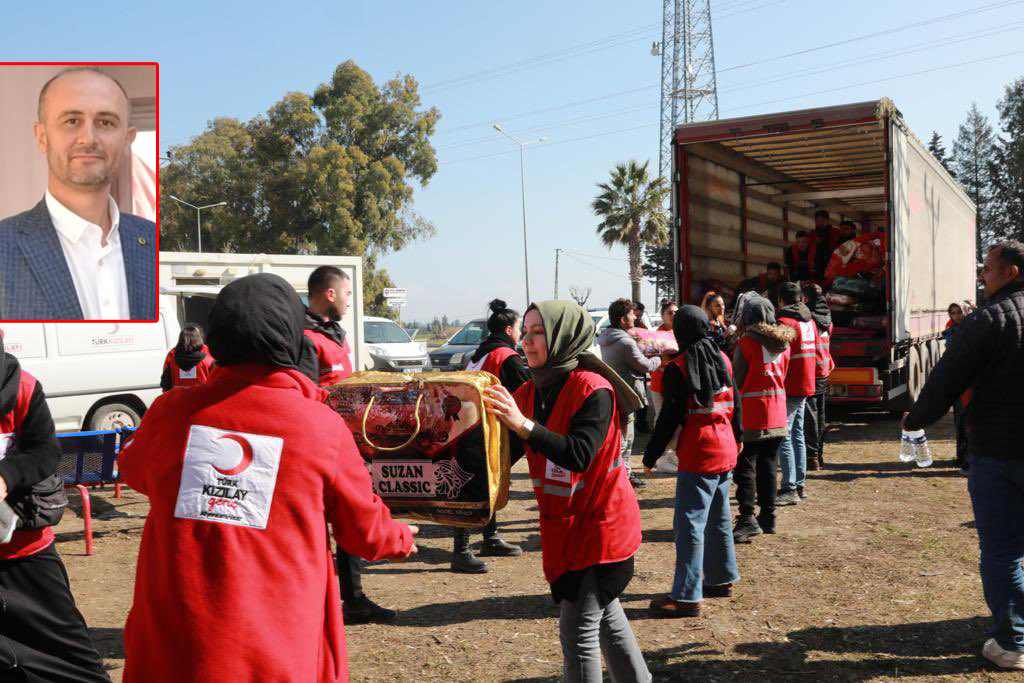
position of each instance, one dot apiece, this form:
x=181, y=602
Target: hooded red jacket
x=235, y=580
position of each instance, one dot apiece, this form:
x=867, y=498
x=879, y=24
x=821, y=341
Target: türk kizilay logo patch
x=228, y=477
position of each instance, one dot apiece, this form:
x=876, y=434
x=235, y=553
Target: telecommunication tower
x=688, y=89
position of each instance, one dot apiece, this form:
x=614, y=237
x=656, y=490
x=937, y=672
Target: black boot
x=494, y=546
x=463, y=560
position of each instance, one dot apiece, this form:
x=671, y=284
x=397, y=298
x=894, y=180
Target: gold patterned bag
x=433, y=452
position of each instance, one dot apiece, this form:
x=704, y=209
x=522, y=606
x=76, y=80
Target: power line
x=758, y=104
x=590, y=265
x=857, y=61
x=607, y=258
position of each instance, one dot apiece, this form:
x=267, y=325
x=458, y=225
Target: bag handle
x=388, y=449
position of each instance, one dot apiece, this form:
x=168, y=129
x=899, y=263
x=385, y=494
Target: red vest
x=706, y=443
x=763, y=393
x=493, y=360
x=802, y=361
x=187, y=378
x=244, y=475
x=23, y=543
x=588, y=517
x=823, y=363
x=335, y=361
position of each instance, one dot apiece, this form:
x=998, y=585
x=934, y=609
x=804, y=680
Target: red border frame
x=156, y=66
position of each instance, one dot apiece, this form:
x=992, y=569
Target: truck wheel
x=113, y=416
x=915, y=374
x=934, y=354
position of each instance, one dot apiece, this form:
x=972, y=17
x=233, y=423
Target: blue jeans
x=792, y=451
x=703, y=529
x=997, y=495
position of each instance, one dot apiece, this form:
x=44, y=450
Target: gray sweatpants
x=628, y=427
x=587, y=630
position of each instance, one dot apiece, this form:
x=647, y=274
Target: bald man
x=75, y=256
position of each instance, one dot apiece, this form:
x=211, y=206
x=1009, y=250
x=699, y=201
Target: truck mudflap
x=856, y=385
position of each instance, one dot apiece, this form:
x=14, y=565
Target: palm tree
x=630, y=208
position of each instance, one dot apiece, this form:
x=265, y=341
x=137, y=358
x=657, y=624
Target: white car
x=391, y=349
x=601, y=321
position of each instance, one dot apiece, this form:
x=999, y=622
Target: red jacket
x=763, y=393
x=707, y=444
x=235, y=580
x=589, y=517
x=492, y=362
x=335, y=361
x=30, y=542
x=802, y=363
x=823, y=363
x=187, y=378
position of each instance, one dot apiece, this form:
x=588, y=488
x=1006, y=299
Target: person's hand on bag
x=648, y=472
x=500, y=402
x=414, y=530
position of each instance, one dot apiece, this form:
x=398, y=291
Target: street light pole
x=522, y=184
x=199, y=216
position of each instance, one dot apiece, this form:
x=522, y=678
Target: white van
x=96, y=375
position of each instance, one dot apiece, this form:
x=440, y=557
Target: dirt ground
x=873, y=578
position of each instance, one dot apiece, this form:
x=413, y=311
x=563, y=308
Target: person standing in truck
x=799, y=258
x=824, y=241
x=765, y=284
x=497, y=355
x=799, y=385
x=327, y=359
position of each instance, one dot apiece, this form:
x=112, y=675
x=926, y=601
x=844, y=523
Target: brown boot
x=667, y=608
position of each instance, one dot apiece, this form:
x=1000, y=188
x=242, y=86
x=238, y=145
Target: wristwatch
x=524, y=431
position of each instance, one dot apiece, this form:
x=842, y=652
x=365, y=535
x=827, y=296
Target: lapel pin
x=142, y=240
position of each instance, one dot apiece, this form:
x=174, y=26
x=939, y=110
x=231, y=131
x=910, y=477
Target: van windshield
x=384, y=332
x=472, y=333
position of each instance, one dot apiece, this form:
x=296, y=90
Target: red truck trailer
x=743, y=187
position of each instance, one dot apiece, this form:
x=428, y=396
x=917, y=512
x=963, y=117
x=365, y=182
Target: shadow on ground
x=849, y=654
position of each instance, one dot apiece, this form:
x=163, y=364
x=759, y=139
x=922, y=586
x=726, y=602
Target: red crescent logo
x=115, y=327
x=246, y=456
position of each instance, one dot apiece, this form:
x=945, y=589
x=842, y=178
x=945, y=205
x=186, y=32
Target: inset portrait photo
x=78, y=188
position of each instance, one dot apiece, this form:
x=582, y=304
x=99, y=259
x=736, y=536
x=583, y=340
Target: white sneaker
x=668, y=463
x=1005, y=659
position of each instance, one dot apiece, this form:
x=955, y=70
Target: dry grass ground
x=873, y=578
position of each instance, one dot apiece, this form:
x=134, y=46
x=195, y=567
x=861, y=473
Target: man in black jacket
x=988, y=362
x=43, y=636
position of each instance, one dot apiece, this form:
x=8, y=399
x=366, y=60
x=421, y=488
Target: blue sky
x=238, y=58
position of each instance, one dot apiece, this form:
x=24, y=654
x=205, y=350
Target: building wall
x=23, y=172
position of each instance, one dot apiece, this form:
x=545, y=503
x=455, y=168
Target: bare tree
x=580, y=294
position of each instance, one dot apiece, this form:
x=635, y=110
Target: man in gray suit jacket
x=75, y=256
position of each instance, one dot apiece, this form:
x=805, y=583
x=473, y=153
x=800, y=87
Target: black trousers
x=43, y=636
x=815, y=423
x=961, y=434
x=755, y=473
x=350, y=576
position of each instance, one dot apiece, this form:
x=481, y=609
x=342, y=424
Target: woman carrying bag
x=568, y=418
x=700, y=397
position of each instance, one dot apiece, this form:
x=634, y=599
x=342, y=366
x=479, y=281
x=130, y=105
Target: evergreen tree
x=1007, y=168
x=973, y=154
x=658, y=268
x=939, y=152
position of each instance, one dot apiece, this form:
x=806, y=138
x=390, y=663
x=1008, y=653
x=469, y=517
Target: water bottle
x=922, y=453
x=907, y=445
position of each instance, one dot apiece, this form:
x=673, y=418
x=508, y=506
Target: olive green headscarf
x=569, y=331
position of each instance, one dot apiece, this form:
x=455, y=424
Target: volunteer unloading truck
x=743, y=188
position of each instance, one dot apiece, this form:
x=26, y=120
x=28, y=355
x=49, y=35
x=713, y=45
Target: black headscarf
x=257, y=319
x=757, y=310
x=705, y=368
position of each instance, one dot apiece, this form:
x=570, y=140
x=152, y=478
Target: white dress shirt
x=96, y=269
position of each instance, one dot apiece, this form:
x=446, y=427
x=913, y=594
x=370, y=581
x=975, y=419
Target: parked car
x=601, y=321
x=391, y=349
x=460, y=346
